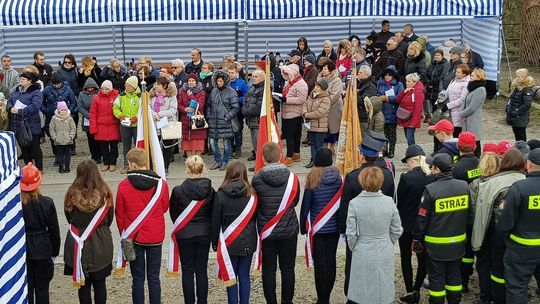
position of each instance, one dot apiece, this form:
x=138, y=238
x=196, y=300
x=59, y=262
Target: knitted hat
x=107, y=84
x=61, y=105
x=310, y=58
x=56, y=78
x=456, y=50
x=323, y=158
x=533, y=144
x=534, y=156
x=523, y=148
x=323, y=83
x=193, y=76
x=132, y=81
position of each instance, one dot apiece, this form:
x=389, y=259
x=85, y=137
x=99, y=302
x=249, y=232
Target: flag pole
x=146, y=130
x=268, y=91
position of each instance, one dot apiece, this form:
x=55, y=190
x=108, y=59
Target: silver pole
x=246, y=44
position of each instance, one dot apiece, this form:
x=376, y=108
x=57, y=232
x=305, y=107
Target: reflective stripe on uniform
x=453, y=288
x=445, y=240
x=497, y=279
x=437, y=293
x=467, y=260
x=522, y=241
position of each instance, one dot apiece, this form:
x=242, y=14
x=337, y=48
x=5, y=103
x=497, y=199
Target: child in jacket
x=63, y=130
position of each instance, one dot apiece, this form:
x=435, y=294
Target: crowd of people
x=402, y=81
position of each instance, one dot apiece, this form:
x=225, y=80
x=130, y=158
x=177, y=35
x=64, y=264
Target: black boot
x=252, y=157
x=66, y=169
x=61, y=168
x=310, y=165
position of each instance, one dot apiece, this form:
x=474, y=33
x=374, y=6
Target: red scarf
x=291, y=83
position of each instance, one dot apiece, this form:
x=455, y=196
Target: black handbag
x=24, y=134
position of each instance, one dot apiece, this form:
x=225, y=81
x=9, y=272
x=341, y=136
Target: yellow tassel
x=119, y=272
x=256, y=273
x=82, y=283
x=228, y=283
x=173, y=274
x=76, y=285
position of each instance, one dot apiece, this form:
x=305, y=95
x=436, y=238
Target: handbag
x=24, y=134
x=128, y=250
x=235, y=124
x=404, y=114
x=197, y=121
x=172, y=131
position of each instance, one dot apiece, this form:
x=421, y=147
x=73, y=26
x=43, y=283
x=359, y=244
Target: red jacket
x=346, y=63
x=405, y=100
x=184, y=99
x=103, y=124
x=133, y=194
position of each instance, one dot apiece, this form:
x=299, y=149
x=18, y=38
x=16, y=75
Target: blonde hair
x=178, y=62
x=137, y=156
x=115, y=62
x=260, y=73
x=527, y=82
x=413, y=77
x=87, y=61
x=416, y=47
x=194, y=165
x=209, y=64
x=32, y=69
x=4, y=115
x=421, y=160
x=489, y=164
x=480, y=74
x=146, y=59
x=26, y=197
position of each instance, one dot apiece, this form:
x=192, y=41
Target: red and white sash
x=224, y=268
x=286, y=202
x=135, y=226
x=183, y=219
x=78, y=273
x=320, y=220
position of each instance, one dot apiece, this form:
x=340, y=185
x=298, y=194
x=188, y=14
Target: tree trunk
x=529, y=53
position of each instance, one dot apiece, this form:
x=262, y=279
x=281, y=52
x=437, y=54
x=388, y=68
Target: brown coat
x=335, y=89
x=316, y=109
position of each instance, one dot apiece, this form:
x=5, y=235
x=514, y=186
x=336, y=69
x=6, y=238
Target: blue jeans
x=227, y=147
x=241, y=265
x=409, y=134
x=148, y=262
x=316, y=140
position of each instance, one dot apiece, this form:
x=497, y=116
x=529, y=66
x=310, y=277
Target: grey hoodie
x=84, y=101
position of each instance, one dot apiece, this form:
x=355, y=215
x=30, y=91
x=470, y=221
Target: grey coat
x=373, y=227
x=84, y=101
x=335, y=88
x=471, y=113
x=62, y=129
x=219, y=115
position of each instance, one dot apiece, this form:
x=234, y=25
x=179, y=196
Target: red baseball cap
x=466, y=139
x=504, y=146
x=443, y=126
x=491, y=147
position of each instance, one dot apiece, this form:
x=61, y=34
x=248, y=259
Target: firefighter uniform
x=466, y=169
x=520, y=223
x=442, y=221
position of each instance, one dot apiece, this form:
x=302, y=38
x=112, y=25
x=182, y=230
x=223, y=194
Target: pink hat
x=61, y=105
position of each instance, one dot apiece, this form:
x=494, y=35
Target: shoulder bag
x=235, y=124
x=24, y=134
x=404, y=114
x=197, y=121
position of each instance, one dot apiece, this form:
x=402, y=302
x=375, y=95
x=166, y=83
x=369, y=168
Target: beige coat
x=62, y=129
x=316, y=109
x=335, y=89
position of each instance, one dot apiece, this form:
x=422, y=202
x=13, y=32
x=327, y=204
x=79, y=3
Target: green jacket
x=127, y=105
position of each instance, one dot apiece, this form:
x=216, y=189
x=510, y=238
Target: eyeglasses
x=67, y=62
x=176, y=67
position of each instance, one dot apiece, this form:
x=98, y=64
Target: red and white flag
x=268, y=127
x=320, y=220
x=156, y=156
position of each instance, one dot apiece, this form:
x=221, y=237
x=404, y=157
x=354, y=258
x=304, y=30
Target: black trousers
x=348, y=260
x=100, y=292
x=520, y=133
x=109, y=151
x=168, y=151
x=444, y=281
x=292, y=129
x=497, y=249
x=33, y=153
x=94, y=146
x=285, y=251
x=63, y=154
x=39, y=274
x=194, y=262
x=391, y=135
x=324, y=262
x=457, y=131
x=467, y=262
x=405, y=242
x=483, y=267
x=517, y=277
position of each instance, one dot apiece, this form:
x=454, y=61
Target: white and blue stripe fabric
x=13, y=288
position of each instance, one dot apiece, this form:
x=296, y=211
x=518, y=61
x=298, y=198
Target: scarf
x=475, y=84
x=203, y=75
x=159, y=100
x=291, y=83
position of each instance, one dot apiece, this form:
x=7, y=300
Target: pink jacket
x=457, y=91
x=297, y=94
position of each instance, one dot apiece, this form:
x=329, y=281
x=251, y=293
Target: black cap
x=442, y=161
x=323, y=158
x=534, y=156
x=412, y=151
x=533, y=144
x=295, y=53
x=56, y=78
x=370, y=146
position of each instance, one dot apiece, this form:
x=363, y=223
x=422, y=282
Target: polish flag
x=154, y=148
x=268, y=127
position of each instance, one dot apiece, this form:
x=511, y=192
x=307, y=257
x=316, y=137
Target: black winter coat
x=118, y=79
x=41, y=227
x=462, y=169
x=448, y=74
x=416, y=65
x=270, y=186
x=252, y=105
x=366, y=88
x=434, y=74
x=395, y=58
x=221, y=108
x=518, y=107
x=182, y=195
x=409, y=193
x=229, y=203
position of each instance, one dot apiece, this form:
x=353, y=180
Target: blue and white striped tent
x=167, y=29
x=12, y=238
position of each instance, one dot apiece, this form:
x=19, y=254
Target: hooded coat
x=103, y=124
x=389, y=108
x=62, y=129
x=434, y=74
x=118, y=79
x=270, y=184
x=97, y=252
x=126, y=105
x=519, y=105
x=222, y=107
x=335, y=89
x=253, y=104
x=33, y=99
x=184, y=99
x=51, y=97
x=412, y=101
x=182, y=195
x=316, y=111
x=134, y=193
x=448, y=73
x=457, y=91
x=296, y=95
x=84, y=101
x=376, y=122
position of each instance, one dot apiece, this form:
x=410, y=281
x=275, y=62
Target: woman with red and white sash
x=233, y=232
x=88, y=250
x=191, y=210
x=318, y=219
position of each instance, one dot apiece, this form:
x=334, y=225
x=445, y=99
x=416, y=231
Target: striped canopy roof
x=85, y=12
